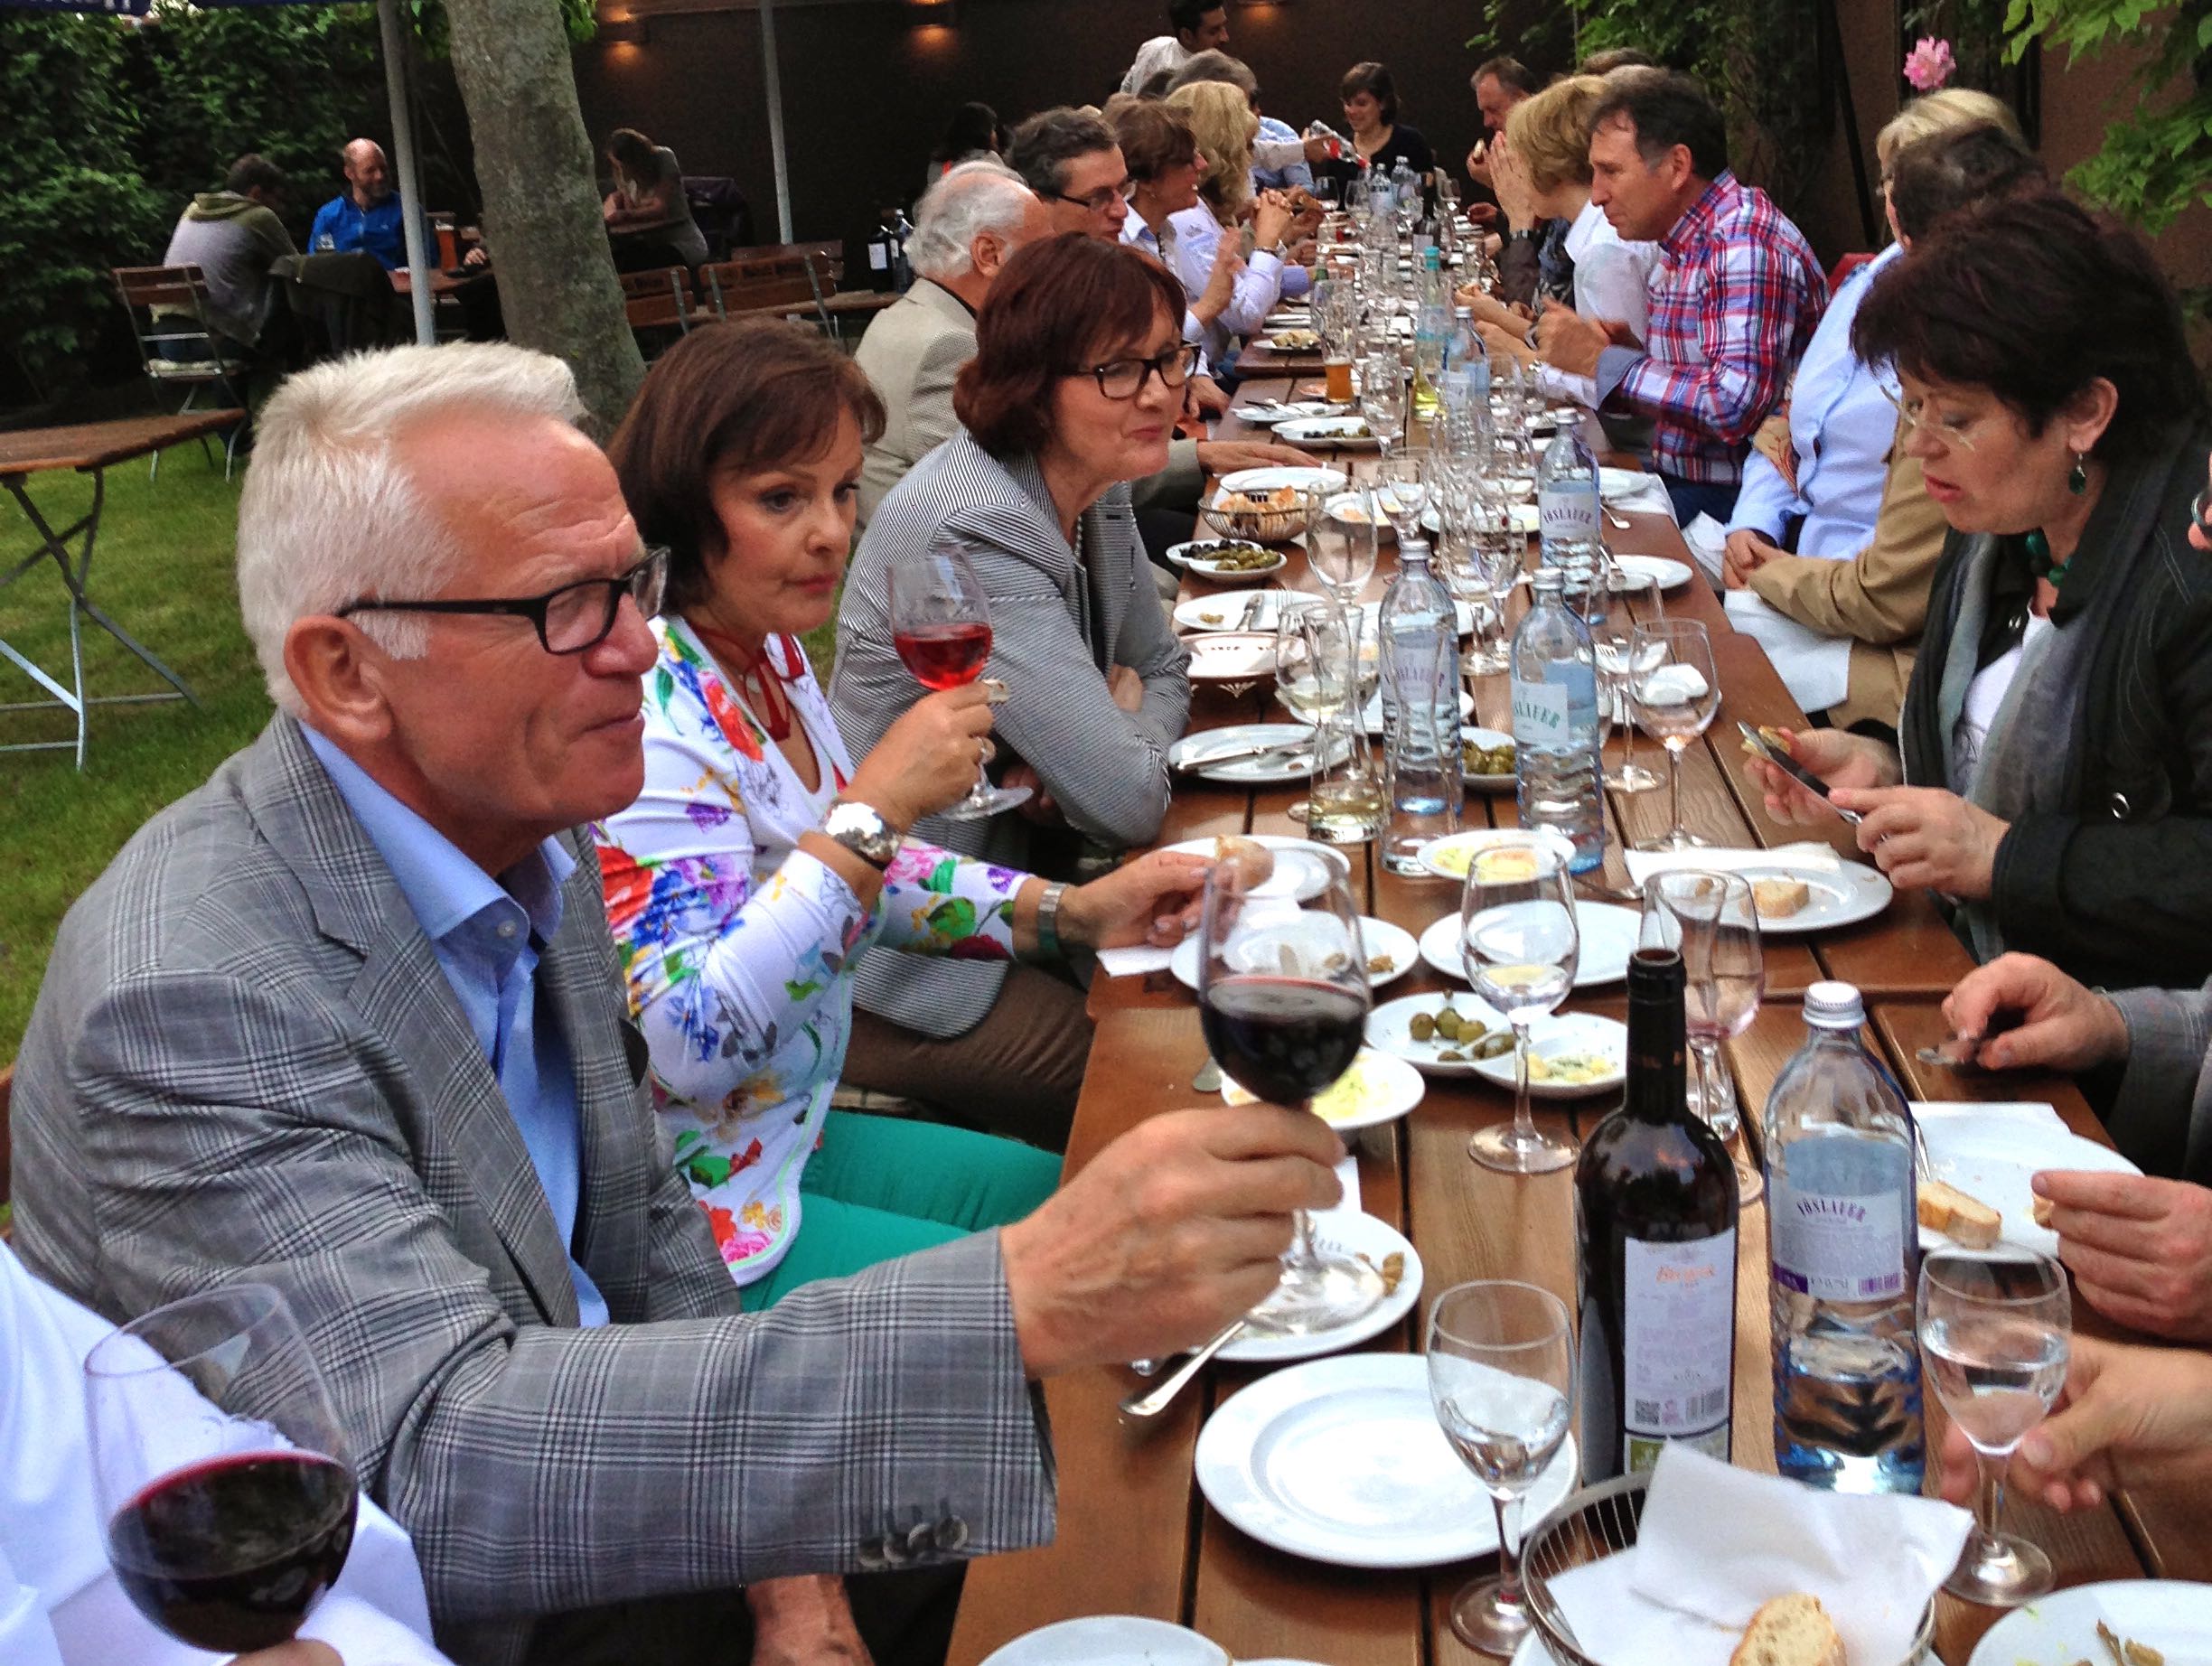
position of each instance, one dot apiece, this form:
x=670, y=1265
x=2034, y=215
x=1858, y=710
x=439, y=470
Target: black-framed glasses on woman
x=571, y=619
x=1124, y=379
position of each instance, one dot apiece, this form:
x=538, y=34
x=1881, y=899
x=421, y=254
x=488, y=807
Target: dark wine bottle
x=1655, y=1231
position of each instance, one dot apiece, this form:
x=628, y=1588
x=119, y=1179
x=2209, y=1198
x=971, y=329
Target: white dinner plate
x=1671, y=574
x=1196, y=561
x=1561, y=1036
x=1525, y=520
x=2171, y=1616
x=1351, y=1232
x=1450, y=858
x=1371, y=715
x=1110, y=1640
x=1340, y=433
x=1471, y=735
x=1302, y=869
x=1341, y=1460
x=1614, y=484
x=1278, y=475
x=1233, y=656
x=1190, y=753
x=1841, y=897
x=1378, y=937
x=1995, y=1164
x=1256, y=610
x=1609, y=934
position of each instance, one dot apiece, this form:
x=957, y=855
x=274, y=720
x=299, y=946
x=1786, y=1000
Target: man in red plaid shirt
x=1734, y=297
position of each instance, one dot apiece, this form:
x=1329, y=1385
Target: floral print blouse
x=738, y=949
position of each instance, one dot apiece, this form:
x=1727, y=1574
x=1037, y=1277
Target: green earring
x=2077, y=477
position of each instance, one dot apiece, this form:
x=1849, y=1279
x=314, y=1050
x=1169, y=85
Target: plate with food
x=1449, y=1034
x=1487, y=760
x=1255, y=610
x=1251, y=754
x=1572, y=1055
x=1110, y=1640
x=1348, y=1231
x=2118, y=1623
x=1609, y=936
x=1295, y=341
x=1450, y=858
x=1391, y=953
x=1671, y=575
x=1267, y=413
x=1274, y=863
x=1342, y=1460
x=1792, y=900
x=1984, y=1160
x=1231, y=562
x=1232, y=656
x=1274, y=477
x=1350, y=433
x=1615, y=485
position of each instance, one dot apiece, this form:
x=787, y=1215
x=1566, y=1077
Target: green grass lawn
x=163, y=570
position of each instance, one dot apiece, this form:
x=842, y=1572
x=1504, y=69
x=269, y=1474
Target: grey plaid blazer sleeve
x=214, y=1087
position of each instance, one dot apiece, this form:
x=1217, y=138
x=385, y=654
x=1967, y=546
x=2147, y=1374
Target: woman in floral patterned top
x=739, y=920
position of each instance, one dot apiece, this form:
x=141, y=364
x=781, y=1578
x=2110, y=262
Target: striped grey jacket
x=1054, y=627
x=246, y=1062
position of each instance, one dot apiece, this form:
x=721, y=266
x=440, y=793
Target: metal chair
x=657, y=303
x=178, y=343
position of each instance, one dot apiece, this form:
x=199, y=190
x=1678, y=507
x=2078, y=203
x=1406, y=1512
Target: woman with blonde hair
x=1221, y=123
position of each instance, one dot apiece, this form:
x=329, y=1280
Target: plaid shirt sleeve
x=1744, y=315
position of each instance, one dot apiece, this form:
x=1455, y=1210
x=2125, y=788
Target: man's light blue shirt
x=1280, y=179
x=487, y=935
x=1841, y=427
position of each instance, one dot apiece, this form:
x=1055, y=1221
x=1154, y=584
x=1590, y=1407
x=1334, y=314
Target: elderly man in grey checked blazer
x=346, y=1020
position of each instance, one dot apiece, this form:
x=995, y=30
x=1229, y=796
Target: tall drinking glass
x=1401, y=488
x=1521, y=942
x=1324, y=673
x=1283, y=997
x=1501, y=1381
x=1382, y=399
x=1674, y=700
x=1342, y=534
x=1996, y=1329
x=1712, y=920
x=1633, y=599
x=940, y=626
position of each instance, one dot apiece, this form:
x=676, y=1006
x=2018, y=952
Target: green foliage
x=2157, y=159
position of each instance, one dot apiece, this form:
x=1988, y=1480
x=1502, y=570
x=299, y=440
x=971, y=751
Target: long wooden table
x=1135, y=1534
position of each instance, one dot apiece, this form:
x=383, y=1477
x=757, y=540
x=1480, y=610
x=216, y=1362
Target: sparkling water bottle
x=1845, y=1242
x=1557, y=764
x=1567, y=508
x=1420, y=708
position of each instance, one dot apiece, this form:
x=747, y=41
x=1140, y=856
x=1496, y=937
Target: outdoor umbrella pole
x=403, y=154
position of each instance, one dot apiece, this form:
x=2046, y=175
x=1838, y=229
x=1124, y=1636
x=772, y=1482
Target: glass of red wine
x=219, y=1469
x=940, y=626
x=1283, y=997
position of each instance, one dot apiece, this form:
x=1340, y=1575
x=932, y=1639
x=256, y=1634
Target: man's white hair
x=974, y=197
x=328, y=514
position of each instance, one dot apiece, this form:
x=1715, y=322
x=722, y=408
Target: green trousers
x=882, y=1187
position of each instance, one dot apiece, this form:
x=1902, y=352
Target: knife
x=1282, y=751
x=1796, y=772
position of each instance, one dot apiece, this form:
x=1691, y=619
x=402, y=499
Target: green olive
x=1420, y=1026
x=1495, y=1046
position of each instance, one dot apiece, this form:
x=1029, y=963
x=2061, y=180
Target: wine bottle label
x=1678, y=1348
x=1837, y=1248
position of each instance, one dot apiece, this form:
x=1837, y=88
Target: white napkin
x=1133, y=961
x=1952, y=1115
x=1649, y=498
x=1804, y=855
x=1716, y=1542
x=1814, y=668
x=1707, y=538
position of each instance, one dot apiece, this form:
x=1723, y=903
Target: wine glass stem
x=1675, y=829
x=1509, y=1553
x=1989, y=1504
x=1628, y=726
x=1524, y=1124
x=1302, y=1254
x=979, y=794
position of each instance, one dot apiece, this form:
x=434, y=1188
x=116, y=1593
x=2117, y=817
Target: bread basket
x=1273, y=526
x=1600, y=1521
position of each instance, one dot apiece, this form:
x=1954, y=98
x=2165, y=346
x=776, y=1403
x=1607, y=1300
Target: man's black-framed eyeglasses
x=1124, y=379
x=2202, y=509
x=1099, y=201
x=571, y=619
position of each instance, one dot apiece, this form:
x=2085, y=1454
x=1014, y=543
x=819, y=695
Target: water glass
x=1383, y=397
x=1401, y=488
x=1521, y=942
x=1502, y=1382
x=1632, y=598
x=1674, y=700
x=1996, y=1330
x=1711, y=921
x=1343, y=536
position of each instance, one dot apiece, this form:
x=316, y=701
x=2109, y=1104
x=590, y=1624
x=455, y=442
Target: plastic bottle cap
x=1833, y=1005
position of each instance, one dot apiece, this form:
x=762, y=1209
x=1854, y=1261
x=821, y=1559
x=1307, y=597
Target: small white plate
x=1525, y=520
x=1341, y=1460
x=1179, y=555
x=1387, y=1031
x=1378, y=937
x=1110, y=1640
x=1845, y=896
x=1610, y=935
x=1472, y=736
x=1340, y=433
x=1671, y=575
x=1278, y=475
x=1233, y=656
x=1371, y=715
x=1614, y=484
x=1302, y=869
x=1557, y=1036
x=1450, y=858
x=1190, y=753
x=1259, y=611
x=1384, y=1089
x=1196, y=562
x=1267, y=415
x=1374, y=1241
x=1294, y=340
x=1995, y=1164
x=2171, y=1615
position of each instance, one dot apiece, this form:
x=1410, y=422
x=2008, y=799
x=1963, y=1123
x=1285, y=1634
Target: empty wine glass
x=1381, y=399
x=219, y=1469
x=1335, y=671
x=1283, y=997
x=1402, y=490
x=1342, y=534
x=1673, y=692
x=1521, y=942
x=1501, y=1381
x=1996, y=1330
x=1712, y=921
x=1634, y=600
x=940, y=626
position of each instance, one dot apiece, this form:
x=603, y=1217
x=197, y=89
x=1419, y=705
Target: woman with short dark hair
x=2053, y=775
x=1078, y=376
x=1370, y=97
x=761, y=864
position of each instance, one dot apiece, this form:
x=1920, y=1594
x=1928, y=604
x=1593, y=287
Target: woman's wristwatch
x=862, y=830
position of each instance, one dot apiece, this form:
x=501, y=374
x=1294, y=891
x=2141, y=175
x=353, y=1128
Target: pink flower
x=1929, y=64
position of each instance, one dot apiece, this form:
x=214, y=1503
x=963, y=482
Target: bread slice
x=1790, y=1630
x=1254, y=860
x=1778, y=899
x=2041, y=1210
x=1963, y=1219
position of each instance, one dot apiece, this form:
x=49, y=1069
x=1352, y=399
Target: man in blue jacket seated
x=365, y=216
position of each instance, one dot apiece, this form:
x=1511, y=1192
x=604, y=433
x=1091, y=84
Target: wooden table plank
x=99, y=445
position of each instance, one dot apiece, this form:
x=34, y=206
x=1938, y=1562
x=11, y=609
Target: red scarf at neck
x=760, y=675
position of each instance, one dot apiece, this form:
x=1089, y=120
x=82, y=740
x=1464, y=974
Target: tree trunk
x=540, y=203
